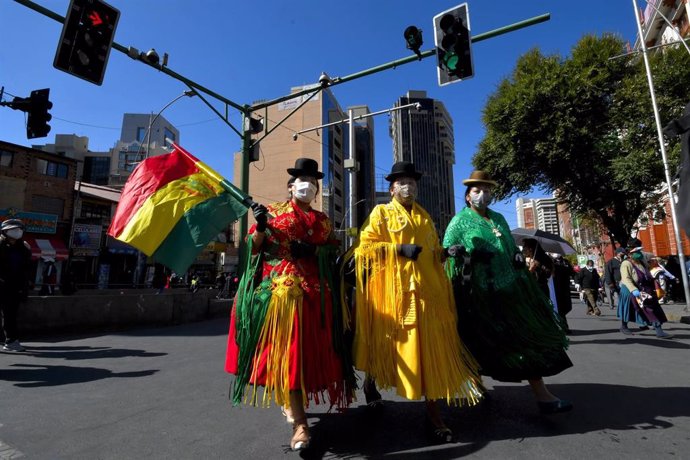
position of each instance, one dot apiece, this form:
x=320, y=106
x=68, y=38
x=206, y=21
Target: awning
x=51, y=248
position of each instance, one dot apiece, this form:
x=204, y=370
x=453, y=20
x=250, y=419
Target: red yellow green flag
x=173, y=205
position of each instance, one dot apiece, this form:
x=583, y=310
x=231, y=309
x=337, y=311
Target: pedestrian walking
x=663, y=279
x=405, y=333
x=15, y=261
x=589, y=281
x=562, y=272
x=638, y=300
x=504, y=317
x=612, y=276
x=286, y=327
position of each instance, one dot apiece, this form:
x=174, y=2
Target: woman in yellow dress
x=405, y=334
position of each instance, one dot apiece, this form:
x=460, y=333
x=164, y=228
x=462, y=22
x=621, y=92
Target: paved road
x=162, y=394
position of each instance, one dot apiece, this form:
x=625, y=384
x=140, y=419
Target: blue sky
x=248, y=51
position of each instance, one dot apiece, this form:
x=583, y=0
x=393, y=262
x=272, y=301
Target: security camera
x=294, y=137
x=418, y=106
x=324, y=79
x=152, y=57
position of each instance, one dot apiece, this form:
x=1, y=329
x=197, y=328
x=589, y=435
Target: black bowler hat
x=403, y=169
x=305, y=167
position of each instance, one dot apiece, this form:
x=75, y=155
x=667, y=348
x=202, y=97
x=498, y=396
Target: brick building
x=38, y=187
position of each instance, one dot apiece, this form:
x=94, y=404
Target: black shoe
x=626, y=331
x=373, y=398
x=439, y=435
x=643, y=328
x=554, y=407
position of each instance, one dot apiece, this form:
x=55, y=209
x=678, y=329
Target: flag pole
x=664, y=158
x=233, y=190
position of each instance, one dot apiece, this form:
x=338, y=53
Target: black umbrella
x=548, y=241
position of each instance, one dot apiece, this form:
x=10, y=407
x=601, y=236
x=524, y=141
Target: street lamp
x=152, y=120
x=188, y=93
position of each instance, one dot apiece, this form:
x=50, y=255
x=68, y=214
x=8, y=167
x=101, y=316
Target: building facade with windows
x=538, y=213
x=656, y=30
x=425, y=137
x=142, y=136
x=92, y=167
x=328, y=146
x=38, y=187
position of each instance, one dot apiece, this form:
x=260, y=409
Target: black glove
x=299, y=249
x=261, y=216
x=455, y=250
x=411, y=251
x=481, y=256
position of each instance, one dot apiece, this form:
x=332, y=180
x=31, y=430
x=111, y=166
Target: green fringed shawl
x=504, y=318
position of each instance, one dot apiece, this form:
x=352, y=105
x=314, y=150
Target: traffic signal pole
x=247, y=110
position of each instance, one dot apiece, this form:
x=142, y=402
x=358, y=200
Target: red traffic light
x=87, y=36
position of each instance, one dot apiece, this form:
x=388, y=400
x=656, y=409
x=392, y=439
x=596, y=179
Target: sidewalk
x=676, y=312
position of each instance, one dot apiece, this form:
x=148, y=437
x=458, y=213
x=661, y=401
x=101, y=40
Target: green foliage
x=584, y=126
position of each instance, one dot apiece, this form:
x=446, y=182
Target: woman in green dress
x=504, y=318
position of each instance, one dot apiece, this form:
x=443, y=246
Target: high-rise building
x=425, y=138
x=366, y=156
x=538, y=213
x=142, y=136
x=328, y=146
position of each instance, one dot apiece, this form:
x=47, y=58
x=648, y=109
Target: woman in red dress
x=286, y=329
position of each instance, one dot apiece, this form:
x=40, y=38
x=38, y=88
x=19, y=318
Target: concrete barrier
x=98, y=311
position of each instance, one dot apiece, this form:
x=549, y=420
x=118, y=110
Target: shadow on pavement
x=510, y=414
x=641, y=340
x=35, y=375
x=77, y=353
x=581, y=332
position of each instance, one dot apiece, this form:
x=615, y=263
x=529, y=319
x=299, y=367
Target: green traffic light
x=451, y=61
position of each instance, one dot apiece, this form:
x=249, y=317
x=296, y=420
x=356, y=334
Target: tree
x=584, y=127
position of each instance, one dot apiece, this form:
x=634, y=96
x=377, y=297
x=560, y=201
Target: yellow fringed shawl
x=277, y=332
x=406, y=335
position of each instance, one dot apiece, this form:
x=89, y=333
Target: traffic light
x=453, y=45
x=413, y=38
x=37, y=106
x=37, y=124
x=87, y=36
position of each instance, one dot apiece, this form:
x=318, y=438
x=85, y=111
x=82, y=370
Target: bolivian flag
x=173, y=205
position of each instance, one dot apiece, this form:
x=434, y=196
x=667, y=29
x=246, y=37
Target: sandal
x=300, y=436
x=287, y=413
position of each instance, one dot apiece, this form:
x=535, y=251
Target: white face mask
x=304, y=191
x=481, y=199
x=15, y=233
x=405, y=192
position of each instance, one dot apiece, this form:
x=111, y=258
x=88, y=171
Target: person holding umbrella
x=504, y=318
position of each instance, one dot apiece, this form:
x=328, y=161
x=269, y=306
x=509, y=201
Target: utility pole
x=667, y=172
